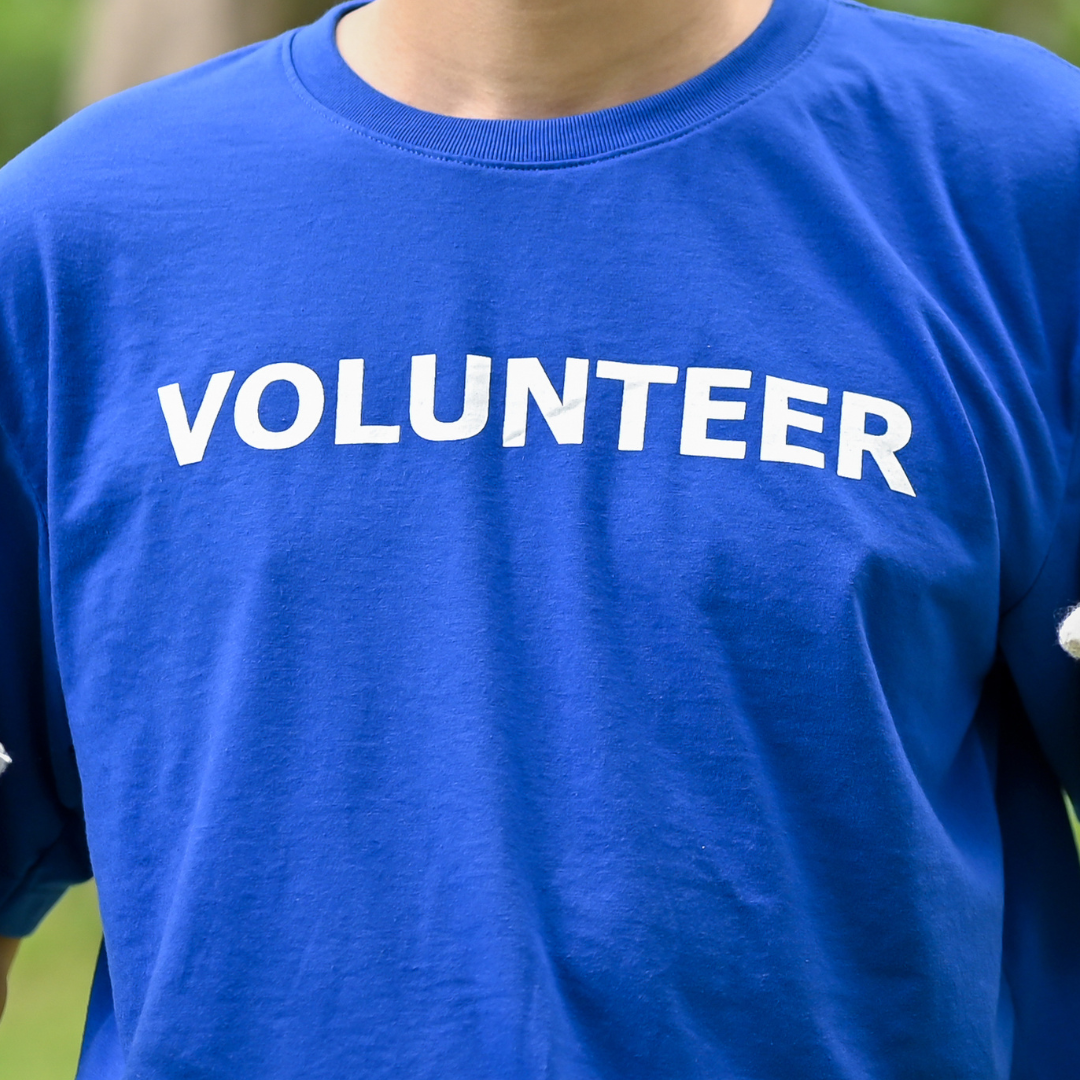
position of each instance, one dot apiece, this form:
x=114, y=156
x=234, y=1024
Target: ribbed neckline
x=779, y=41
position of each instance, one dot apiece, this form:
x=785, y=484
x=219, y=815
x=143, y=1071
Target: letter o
x=309, y=389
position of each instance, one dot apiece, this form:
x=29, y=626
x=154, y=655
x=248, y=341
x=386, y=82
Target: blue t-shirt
x=565, y=599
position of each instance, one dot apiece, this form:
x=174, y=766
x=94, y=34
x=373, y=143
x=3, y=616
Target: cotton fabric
x=567, y=598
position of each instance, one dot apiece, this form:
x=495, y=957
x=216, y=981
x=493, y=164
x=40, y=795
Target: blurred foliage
x=41, y=1032
x=36, y=39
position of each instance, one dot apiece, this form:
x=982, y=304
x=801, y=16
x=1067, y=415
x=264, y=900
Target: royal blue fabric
x=493, y=751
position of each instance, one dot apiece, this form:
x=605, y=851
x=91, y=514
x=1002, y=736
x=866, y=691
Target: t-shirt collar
x=783, y=37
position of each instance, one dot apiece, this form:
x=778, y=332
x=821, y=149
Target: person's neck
x=536, y=59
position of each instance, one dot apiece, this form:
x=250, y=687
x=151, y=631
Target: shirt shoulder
x=962, y=146
x=920, y=43
x=956, y=78
x=161, y=136
x=137, y=179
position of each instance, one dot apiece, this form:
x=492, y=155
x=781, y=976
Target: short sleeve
x=42, y=838
x=1048, y=680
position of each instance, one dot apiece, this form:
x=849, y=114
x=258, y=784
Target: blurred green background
x=49, y=986
x=37, y=40
x=40, y=43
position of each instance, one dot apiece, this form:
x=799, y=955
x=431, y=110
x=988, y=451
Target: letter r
x=855, y=440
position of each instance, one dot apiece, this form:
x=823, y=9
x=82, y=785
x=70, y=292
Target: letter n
x=565, y=416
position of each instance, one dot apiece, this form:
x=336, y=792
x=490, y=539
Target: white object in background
x=5, y=761
x=1069, y=633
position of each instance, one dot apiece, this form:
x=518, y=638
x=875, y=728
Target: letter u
x=474, y=414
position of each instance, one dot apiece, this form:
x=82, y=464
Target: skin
x=8, y=948
x=536, y=59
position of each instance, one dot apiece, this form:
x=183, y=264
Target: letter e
x=777, y=417
x=699, y=408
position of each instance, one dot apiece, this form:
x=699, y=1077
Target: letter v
x=189, y=443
